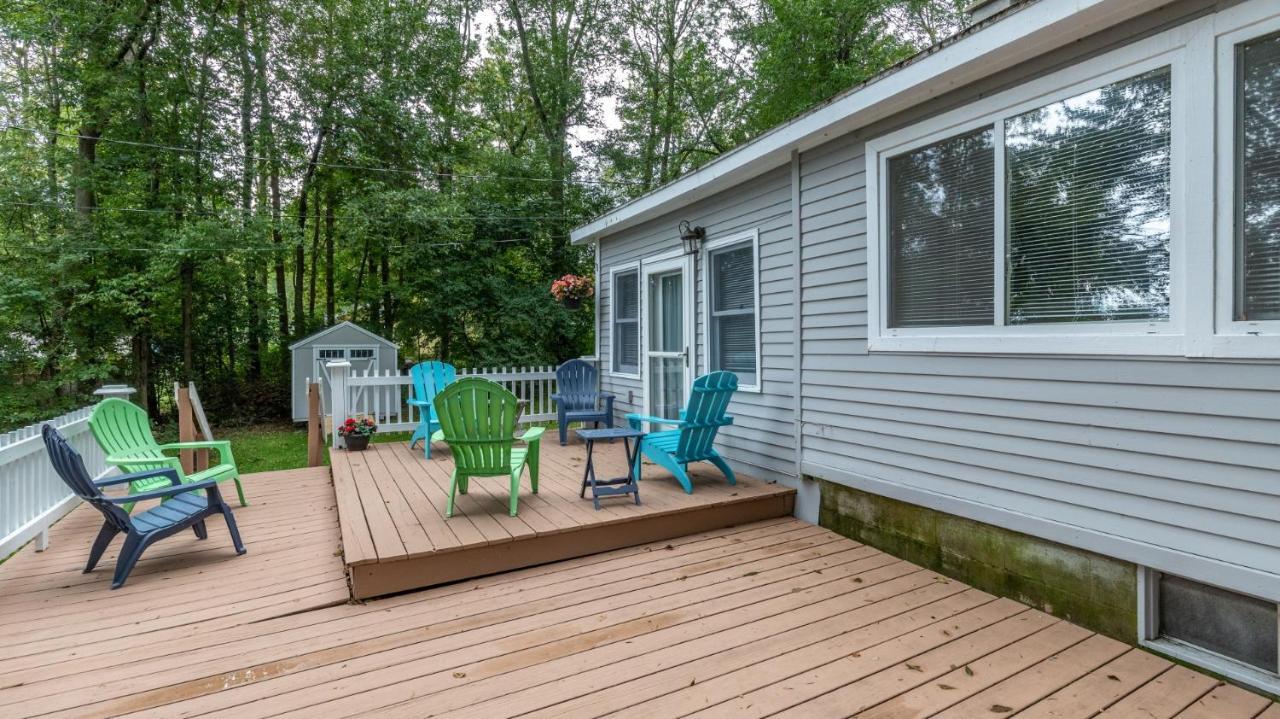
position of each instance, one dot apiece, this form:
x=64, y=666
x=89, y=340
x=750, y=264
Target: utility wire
x=32, y=247
x=239, y=214
x=339, y=166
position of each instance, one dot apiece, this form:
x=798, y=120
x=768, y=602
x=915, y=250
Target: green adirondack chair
x=123, y=430
x=477, y=419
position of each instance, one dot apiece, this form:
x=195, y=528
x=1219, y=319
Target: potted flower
x=356, y=433
x=571, y=290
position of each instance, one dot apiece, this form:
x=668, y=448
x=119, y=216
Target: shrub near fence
x=32, y=496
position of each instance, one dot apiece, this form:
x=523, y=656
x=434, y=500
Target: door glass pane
x=1088, y=205
x=1258, y=180
x=942, y=233
x=666, y=344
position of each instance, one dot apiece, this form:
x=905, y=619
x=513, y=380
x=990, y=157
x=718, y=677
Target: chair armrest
x=728, y=419
x=635, y=421
x=125, y=461
x=172, y=476
x=208, y=484
x=417, y=402
x=556, y=396
x=607, y=395
x=533, y=434
x=221, y=446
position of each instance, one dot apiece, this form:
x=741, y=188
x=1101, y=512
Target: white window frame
x=614, y=271
x=1124, y=338
x=721, y=243
x=1234, y=338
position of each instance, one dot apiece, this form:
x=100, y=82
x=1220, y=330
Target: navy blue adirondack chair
x=183, y=507
x=578, y=400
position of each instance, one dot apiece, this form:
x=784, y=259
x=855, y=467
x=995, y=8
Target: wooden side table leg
x=588, y=473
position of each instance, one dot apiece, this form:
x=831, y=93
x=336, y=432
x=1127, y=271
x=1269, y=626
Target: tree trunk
x=330, y=313
x=266, y=125
x=252, y=298
x=388, y=314
x=315, y=261
x=299, y=250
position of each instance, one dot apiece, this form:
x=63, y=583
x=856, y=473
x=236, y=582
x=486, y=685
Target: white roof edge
x=344, y=323
x=1032, y=30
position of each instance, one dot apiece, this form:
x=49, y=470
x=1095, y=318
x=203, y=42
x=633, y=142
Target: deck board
x=392, y=500
x=771, y=617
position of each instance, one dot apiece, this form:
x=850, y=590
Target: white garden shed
x=343, y=341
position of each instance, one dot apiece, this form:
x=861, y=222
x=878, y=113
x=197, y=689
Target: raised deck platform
x=395, y=537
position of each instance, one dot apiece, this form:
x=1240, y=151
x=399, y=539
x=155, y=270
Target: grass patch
x=275, y=447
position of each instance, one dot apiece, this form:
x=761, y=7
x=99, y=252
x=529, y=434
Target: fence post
x=338, y=373
x=315, y=426
x=186, y=427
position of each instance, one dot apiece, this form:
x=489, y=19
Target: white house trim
x=614, y=271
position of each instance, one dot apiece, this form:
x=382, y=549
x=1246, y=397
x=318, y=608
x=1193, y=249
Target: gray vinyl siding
x=1168, y=462
x=760, y=442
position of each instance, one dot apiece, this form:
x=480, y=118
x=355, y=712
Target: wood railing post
x=338, y=373
x=315, y=426
x=186, y=427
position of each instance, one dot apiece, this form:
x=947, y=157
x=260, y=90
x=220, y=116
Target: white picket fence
x=383, y=395
x=32, y=496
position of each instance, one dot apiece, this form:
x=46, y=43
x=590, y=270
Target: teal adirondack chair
x=123, y=430
x=428, y=379
x=477, y=418
x=692, y=441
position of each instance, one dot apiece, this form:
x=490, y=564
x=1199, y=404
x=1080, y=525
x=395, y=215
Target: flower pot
x=572, y=303
x=358, y=442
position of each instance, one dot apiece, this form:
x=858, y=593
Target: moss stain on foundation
x=1091, y=590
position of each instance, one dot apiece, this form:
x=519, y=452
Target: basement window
x=1224, y=631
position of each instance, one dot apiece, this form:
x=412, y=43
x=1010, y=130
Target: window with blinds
x=1087, y=190
x=941, y=233
x=626, y=322
x=732, y=293
x=1257, y=196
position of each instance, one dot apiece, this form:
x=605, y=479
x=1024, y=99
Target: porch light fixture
x=691, y=236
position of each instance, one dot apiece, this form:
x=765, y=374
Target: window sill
x=622, y=375
x=1056, y=344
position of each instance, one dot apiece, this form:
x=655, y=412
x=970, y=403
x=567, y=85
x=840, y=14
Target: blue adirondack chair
x=692, y=441
x=183, y=506
x=578, y=400
x=428, y=379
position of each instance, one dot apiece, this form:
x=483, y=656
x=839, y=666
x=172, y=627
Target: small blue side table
x=618, y=485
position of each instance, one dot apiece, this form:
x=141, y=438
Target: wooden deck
x=775, y=618
x=395, y=537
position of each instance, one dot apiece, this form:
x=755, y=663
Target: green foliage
x=180, y=171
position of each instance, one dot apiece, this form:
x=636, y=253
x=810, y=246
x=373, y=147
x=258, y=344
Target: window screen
x=1088, y=205
x=1226, y=623
x=1258, y=180
x=941, y=233
x=626, y=324
x=733, y=312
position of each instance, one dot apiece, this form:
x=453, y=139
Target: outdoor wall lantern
x=691, y=236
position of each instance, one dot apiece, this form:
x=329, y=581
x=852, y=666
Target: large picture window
x=733, y=340
x=626, y=322
x=1257, y=179
x=1047, y=217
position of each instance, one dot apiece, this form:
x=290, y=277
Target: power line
x=339, y=166
x=236, y=213
x=30, y=247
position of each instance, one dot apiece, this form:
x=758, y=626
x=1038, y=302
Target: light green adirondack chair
x=477, y=419
x=123, y=430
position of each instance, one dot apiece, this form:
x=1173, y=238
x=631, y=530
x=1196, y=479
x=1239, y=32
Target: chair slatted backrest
x=705, y=414
x=477, y=417
x=430, y=378
x=576, y=385
x=123, y=428
x=70, y=467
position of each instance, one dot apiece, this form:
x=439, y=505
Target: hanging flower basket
x=571, y=290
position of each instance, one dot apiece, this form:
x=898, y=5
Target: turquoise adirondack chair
x=123, y=430
x=477, y=419
x=428, y=379
x=692, y=441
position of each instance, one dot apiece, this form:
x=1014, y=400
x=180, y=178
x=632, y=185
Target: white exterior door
x=668, y=339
